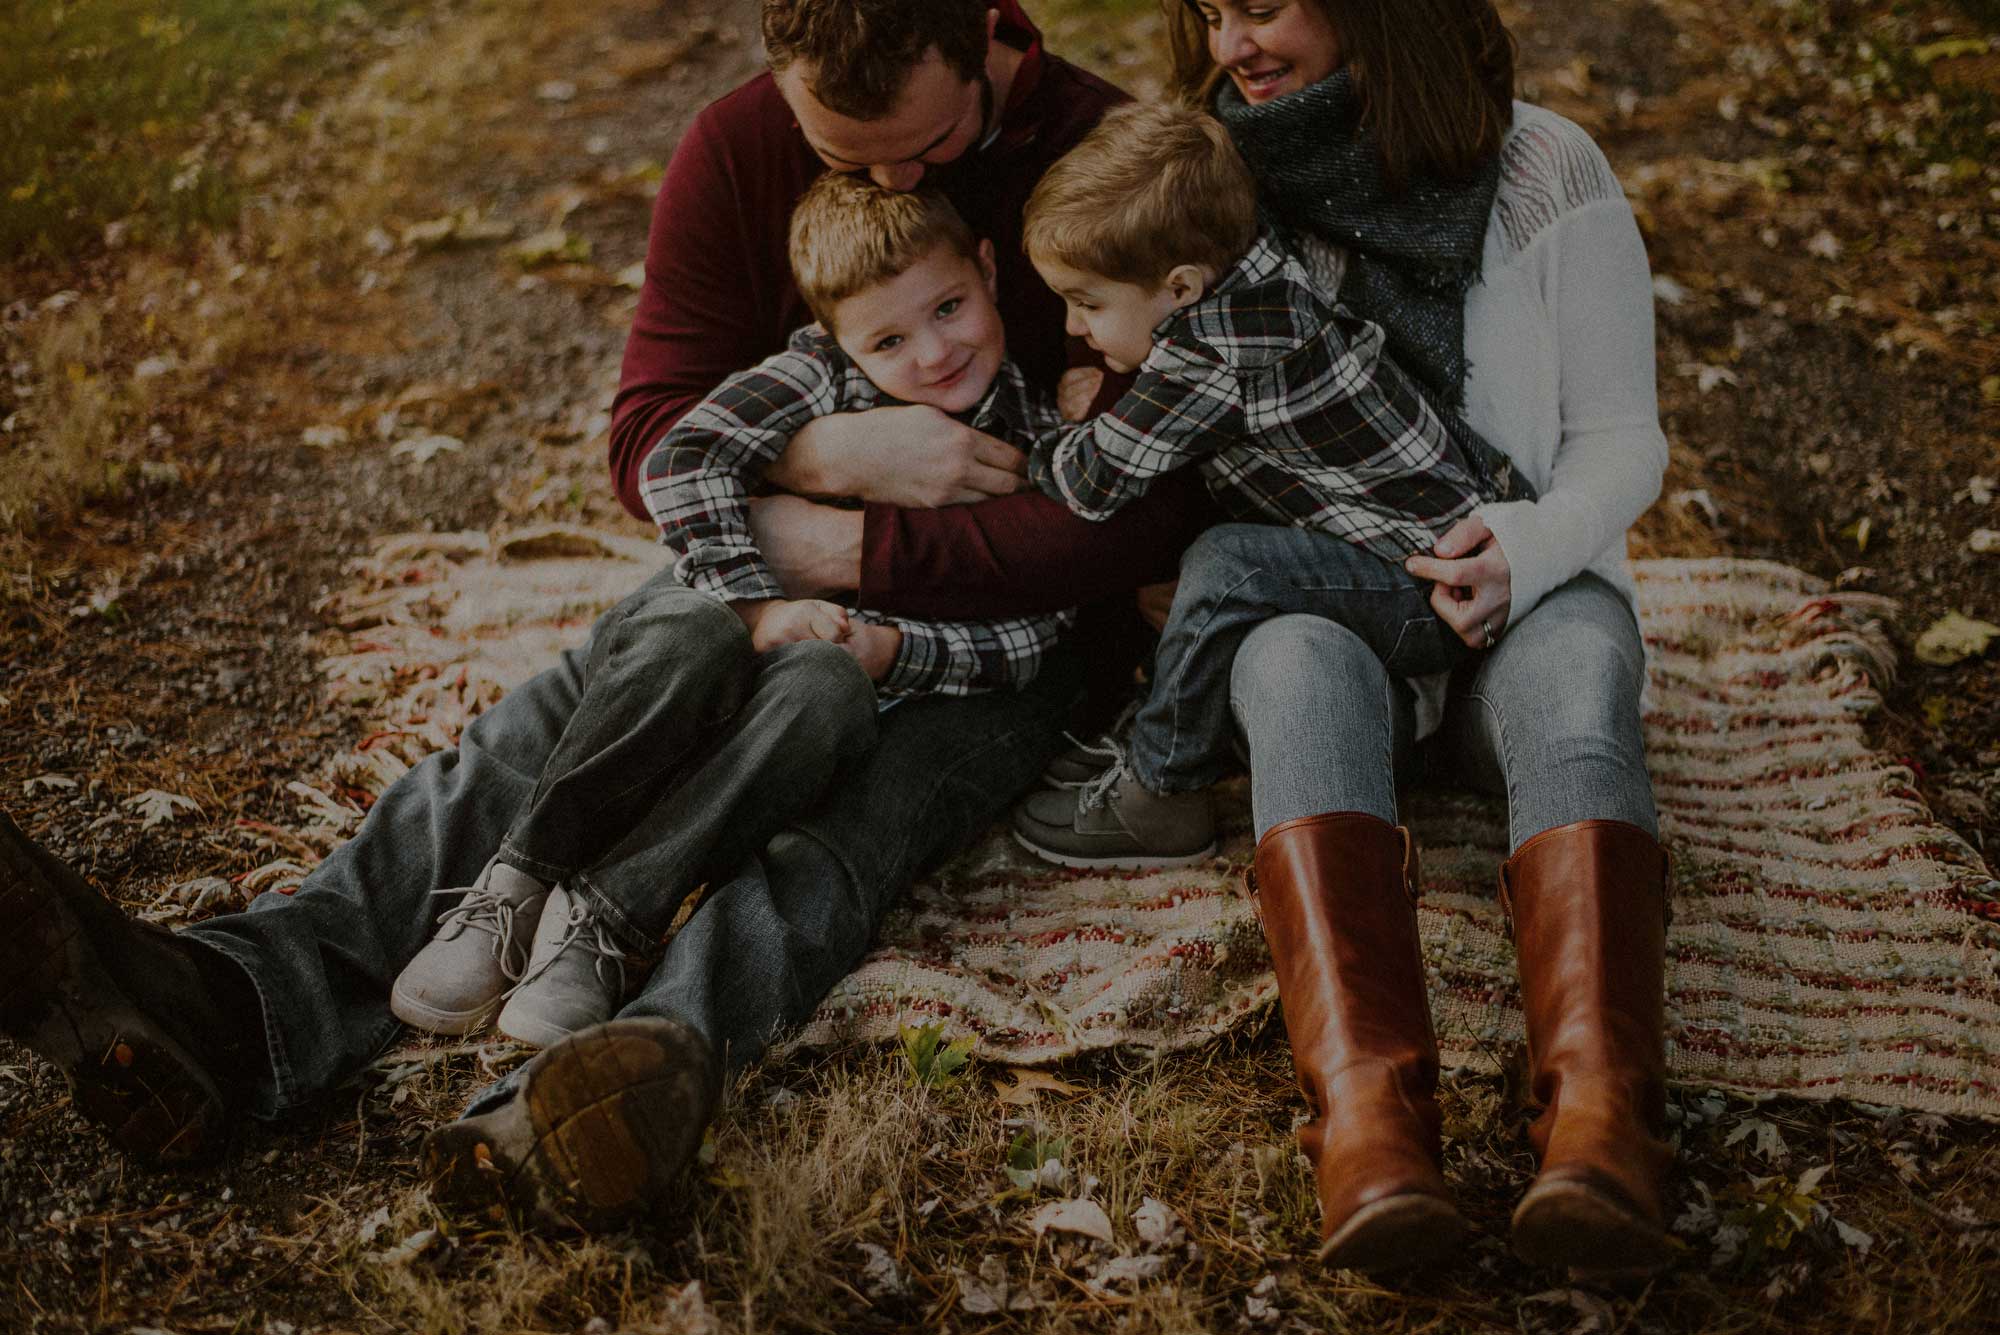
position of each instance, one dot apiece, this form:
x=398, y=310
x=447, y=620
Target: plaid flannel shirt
x=697, y=483
x=1293, y=414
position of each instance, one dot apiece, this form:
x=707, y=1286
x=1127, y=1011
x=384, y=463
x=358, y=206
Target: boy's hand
x=1077, y=390
x=874, y=647
x=779, y=621
x=911, y=455
x=1156, y=601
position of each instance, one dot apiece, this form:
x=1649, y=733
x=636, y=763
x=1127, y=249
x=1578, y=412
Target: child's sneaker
x=575, y=977
x=458, y=980
x=1115, y=823
x=1085, y=762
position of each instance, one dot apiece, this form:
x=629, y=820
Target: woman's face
x=1270, y=47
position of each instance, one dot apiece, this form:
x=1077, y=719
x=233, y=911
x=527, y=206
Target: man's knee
x=666, y=623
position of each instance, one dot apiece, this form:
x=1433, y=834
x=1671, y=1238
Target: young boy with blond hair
x=715, y=709
x=1304, y=430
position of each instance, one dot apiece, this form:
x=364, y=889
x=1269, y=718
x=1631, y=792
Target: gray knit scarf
x=1411, y=257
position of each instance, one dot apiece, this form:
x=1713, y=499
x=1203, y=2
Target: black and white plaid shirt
x=1293, y=414
x=698, y=480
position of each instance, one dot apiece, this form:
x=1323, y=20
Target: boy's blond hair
x=1153, y=187
x=849, y=234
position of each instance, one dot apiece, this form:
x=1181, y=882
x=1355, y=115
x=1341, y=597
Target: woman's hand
x=912, y=455
x=1076, y=391
x=813, y=549
x=1474, y=585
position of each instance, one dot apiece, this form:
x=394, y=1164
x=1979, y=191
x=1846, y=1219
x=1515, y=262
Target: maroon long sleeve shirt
x=718, y=297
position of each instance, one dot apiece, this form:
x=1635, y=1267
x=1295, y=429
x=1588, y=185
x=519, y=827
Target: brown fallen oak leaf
x=1021, y=1086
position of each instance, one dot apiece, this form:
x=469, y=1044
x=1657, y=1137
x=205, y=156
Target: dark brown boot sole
x=1395, y=1233
x=599, y=1130
x=1570, y=1223
x=151, y=1097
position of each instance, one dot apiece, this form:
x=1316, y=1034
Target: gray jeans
x=776, y=931
x=685, y=753
x=1548, y=718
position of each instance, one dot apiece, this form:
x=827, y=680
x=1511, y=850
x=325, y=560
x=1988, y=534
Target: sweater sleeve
x=1612, y=454
x=1024, y=553
x=694, y=324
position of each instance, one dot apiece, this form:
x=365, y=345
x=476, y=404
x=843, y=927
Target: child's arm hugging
x=1179, y=410
x=697, y=483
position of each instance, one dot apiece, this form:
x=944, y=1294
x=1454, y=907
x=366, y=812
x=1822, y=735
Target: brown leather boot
x=1588, y=904
x=1336, y=894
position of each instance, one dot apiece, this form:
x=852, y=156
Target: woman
x=1493, y=243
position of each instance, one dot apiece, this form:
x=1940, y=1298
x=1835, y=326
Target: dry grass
x=840, y=1197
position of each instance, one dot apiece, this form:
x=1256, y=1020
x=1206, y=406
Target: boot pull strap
x=1412, y=873
x=1506, y=898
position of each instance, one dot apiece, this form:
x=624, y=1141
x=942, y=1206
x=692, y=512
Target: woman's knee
x=1292, y=661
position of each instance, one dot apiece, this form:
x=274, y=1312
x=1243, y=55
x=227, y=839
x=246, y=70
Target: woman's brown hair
x=1435, y=77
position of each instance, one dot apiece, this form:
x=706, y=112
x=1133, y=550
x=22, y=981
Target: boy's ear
x=1186, y=284
x=988, y=269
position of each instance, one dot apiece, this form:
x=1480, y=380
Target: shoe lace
x=1097, y=791
x=488, y=912
x=588, y=932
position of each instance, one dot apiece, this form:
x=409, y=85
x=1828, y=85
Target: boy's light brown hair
x=849, y=234
x=860, y=52
x=1154, y=186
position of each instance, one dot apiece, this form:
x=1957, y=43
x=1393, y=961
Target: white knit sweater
x=1559, y=334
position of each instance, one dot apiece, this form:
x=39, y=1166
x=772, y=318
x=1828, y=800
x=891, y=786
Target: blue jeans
x=1235, y=578
x=792, y=918
x=685, y=753
x=1548, y=718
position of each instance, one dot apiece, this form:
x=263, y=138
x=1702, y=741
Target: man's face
x=929, y=335
x=936, y=120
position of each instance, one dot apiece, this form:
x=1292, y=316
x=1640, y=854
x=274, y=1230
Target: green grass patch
x=129, y=109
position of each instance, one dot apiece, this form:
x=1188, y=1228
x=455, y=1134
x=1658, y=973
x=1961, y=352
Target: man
x=167, y=1036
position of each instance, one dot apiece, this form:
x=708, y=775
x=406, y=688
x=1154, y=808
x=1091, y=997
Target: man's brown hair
x=1435, y=77
x=1154, y=186
x=860, y=52
x=849, y=234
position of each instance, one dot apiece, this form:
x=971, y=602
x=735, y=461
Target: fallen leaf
x=880, y=1277
x=1824, y=245
x=1035, y=1164
x=554, y=246
x=1132, y=1270
x=47, y=783
x=1697, y=498
x=556, y=90
x=990, y=1291
x=1707, y=377
x=1983, y=542
x=1764, y=1137
x=323, y=437
x=1859, y=532
x=154, y=367
x=408, y=1250
x=1083, y=1217
x=1158, y=1225
x=156, y=807
x=1023, y=1084
x=374, y=1224
x=1953, y=638
x=1949, y=49
x=632, y=275
x=1668, y=291
x=1851, y=1236
x=422, y=449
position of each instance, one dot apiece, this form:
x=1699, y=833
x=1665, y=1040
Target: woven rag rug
x=1829, y=940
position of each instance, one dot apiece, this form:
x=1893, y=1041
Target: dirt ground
x=1827, y=351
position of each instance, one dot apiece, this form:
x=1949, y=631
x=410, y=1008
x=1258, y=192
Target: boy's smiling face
x=929, y=335
x=1118, y=319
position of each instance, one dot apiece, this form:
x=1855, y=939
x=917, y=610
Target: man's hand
x=813, y=549
x=1076, y=391
x=874, y=647
x=1474, y=588
x=912, y=456
x=776, y=621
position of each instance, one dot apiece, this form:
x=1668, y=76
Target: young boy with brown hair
x=715, y=709
x=1303, y=429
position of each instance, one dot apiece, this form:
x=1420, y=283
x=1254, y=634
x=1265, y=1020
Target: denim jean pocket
x=1425, y=645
